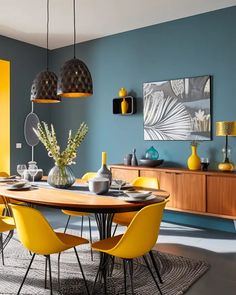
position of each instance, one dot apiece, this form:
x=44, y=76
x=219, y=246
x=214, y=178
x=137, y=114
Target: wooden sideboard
x=210, y=193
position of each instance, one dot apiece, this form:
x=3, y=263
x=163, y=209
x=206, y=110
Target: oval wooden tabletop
x=76, y=200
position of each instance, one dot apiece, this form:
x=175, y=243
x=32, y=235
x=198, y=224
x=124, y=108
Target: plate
x=125, y=185
x=130, y=199
x=23, y=188
x=138, y=194
x=7, y=179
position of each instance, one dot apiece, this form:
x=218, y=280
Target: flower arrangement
x=48, y=138
x=194, y=143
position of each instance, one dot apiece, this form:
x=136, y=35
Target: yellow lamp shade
x=224, y=128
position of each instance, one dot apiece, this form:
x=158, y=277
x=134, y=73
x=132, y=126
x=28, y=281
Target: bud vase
x=104, y=171
x=194, y=162
x=61, y=177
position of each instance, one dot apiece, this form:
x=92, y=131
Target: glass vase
x=61, y=177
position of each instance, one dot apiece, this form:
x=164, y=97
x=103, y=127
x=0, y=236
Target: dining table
x=79, y=198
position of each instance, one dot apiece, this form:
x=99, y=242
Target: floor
x=218, y=248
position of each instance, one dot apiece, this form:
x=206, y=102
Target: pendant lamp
x=74, y=78
x=44, y=86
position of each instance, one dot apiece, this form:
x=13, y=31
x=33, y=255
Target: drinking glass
x=33, y=169
x=204, y=164
x=119, y=183
x=20, y=169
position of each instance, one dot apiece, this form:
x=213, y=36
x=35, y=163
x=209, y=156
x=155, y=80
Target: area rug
x=178, y=273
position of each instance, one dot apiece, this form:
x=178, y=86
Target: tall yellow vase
x=194, y=162
x=124, y=106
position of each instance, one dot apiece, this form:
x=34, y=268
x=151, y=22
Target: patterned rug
x=178, y=273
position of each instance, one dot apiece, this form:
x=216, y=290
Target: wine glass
x=20, y=169
x=33, y=169
x=119, y=183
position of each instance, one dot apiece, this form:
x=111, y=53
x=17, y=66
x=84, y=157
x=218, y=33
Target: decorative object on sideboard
x=177, y=109
x=104, y=172
x=74, y=78
x=150, y=162
x=151, y=158
x=61, y=176
x=204, y=164
x=152, y=153
x=127, y=159
x=194, y=162
x=44, y=86
x=134, y=161
x=226, y=128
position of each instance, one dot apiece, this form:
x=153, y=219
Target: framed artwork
x=177, y=109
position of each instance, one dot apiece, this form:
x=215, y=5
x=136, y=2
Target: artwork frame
x=178, y=109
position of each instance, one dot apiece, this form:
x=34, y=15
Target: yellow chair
x=37, y=236
x=138, y=240
x=124, y=219
x=85, y=177
x=4, y=174
x=6, y=224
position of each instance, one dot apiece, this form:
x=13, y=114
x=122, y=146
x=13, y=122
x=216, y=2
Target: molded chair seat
x=4, y=174
x=124, y=219
x=6, y=224
x=36, y=235
x=138, y=240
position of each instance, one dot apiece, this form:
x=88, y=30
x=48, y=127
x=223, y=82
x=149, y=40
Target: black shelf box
x=131, y=105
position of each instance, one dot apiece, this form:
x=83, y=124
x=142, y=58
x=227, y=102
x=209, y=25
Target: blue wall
x=198, y=45
x=26, y=61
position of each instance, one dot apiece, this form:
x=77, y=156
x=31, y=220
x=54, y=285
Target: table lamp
x=226, y=129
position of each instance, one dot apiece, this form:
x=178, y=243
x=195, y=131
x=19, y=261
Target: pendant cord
x=74, y=27
x=47, y=30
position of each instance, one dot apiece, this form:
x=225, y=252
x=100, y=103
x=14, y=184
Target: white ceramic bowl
x=99, y=185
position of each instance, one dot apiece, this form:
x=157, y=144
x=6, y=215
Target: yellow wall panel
x=4, y=116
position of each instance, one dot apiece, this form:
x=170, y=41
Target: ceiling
x=25, y=20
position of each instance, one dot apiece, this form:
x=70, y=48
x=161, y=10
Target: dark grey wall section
x=26, y=61
x=198, y=45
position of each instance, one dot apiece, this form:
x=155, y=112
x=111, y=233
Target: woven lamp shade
x=74, y=79
x=226, y=128
x=44, y=88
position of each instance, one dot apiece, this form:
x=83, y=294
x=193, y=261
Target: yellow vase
x=122, y=92
x=194, y=162
x=124, y=106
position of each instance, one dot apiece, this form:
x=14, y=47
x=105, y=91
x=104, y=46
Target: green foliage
x=48, y=137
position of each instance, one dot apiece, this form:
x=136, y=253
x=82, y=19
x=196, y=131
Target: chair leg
x=81, y=269
x=58, y=271
x=125, y=282
x=67, y=223
x=130, y=263
x=90, y=237
x=50, y=273
x=45, y=274
x=82, y=226
x=31, y=261
x=1, y=249
x=115, y=230
x=155, y=266
x=149, y=268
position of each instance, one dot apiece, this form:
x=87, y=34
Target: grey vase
x=61, y=177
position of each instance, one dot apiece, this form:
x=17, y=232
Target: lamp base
x=226, y=166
